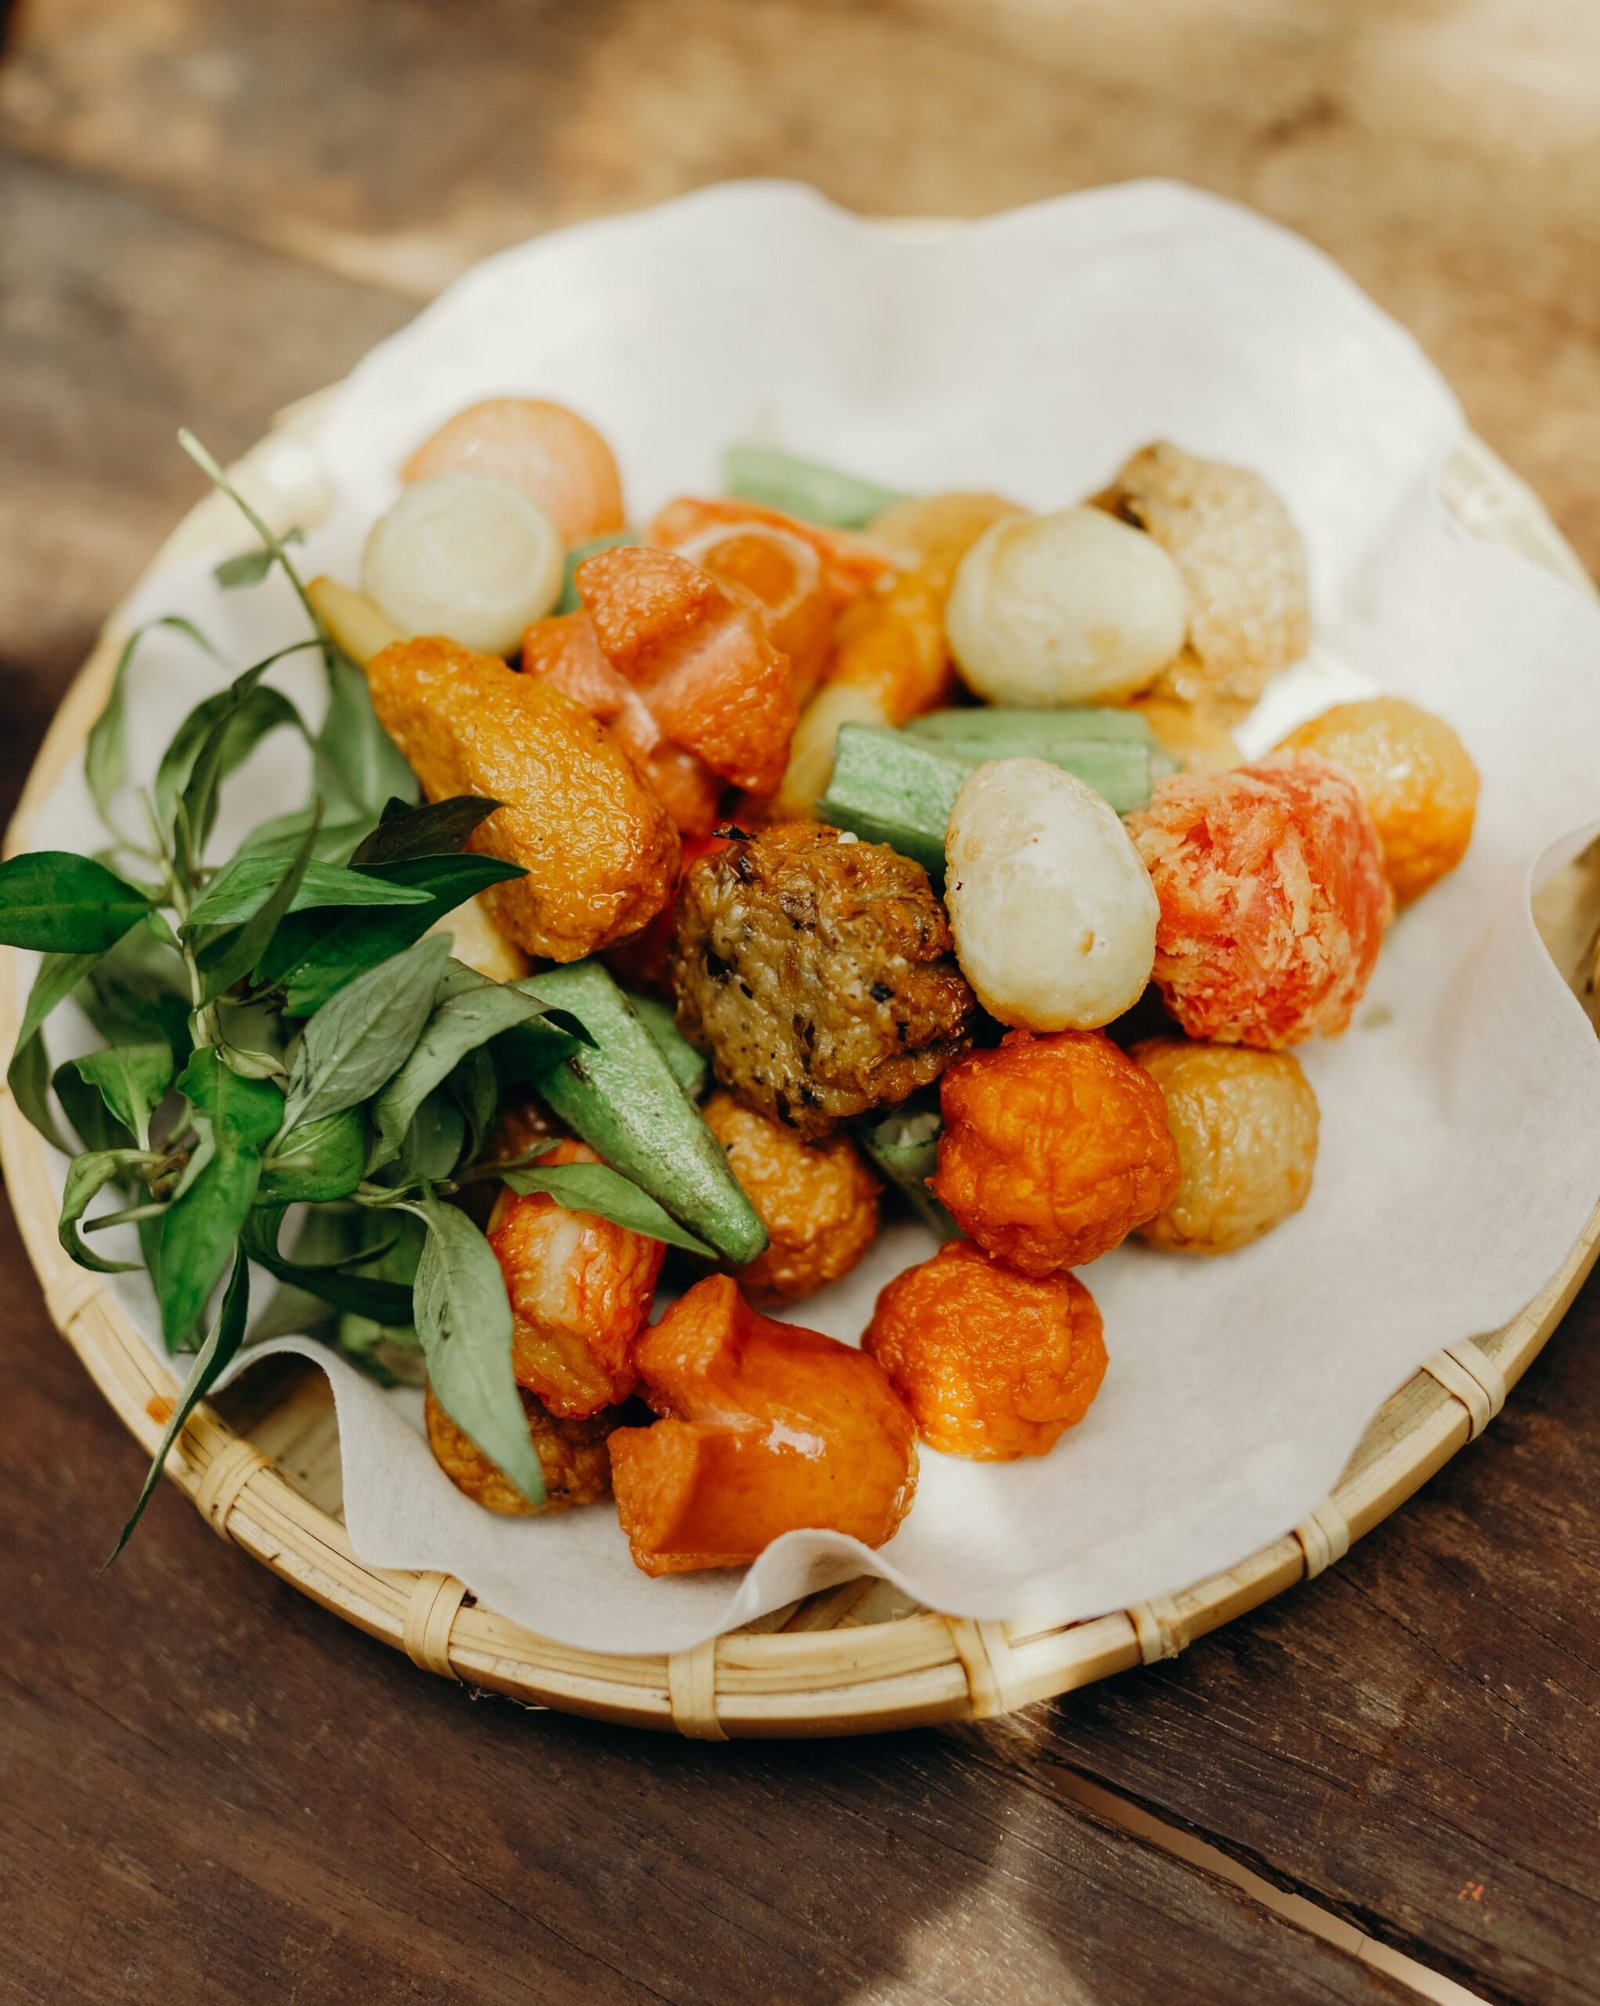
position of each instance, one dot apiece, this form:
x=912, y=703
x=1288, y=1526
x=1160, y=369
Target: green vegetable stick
x=1004, y=732
x=903, y=1145
x=690, y=1068
x=801, y=487
x=621, y=1096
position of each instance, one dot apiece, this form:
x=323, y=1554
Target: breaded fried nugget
x=572, y=1454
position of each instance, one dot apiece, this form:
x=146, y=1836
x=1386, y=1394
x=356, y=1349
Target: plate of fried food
x=818, y=902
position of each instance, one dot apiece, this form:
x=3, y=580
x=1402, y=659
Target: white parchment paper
x=1460, y=1149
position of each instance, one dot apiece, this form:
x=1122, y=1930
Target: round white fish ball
x=1052, y=909
x=1071, y=608
x=465, y=557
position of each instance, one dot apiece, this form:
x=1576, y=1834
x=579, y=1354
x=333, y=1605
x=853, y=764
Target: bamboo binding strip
x=832, y=1665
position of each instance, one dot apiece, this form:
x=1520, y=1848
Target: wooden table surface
x=211, y=1790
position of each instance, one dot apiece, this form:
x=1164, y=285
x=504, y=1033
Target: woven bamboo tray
x=261, y=1464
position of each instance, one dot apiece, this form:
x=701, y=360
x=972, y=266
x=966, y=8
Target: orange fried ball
x=993, y=1364
x=1273, y=899
x=580, y=1290
x=1416, y=777
x=1246, y=1128
x=766, y=1428
x=1054, y=1149
x=818, y=1201
x=547, y=451
x=572, y=1454
x=598, y=850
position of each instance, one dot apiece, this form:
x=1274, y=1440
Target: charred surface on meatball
x=819, y=973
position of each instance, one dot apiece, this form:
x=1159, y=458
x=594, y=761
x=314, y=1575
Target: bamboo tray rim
x=825, y=1672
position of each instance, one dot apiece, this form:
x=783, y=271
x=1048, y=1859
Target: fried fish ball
x=1415, y=776
x=818, y=1201
x=599, y=851
x=1272, y=895
x=1197, y=735
x=1054, y=1148
x=817, y=971
x=1246, y=1128
x=551, y=454
x=1241, y=559
x=573, y=1455
x=580, y=1289
x=766, y=1428
x=993, y=1364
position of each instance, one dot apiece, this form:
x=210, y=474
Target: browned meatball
x=572, y=1454
x=819, y=973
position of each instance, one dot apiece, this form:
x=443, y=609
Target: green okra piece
x=902, y=1144
x=803, y=488
x=690, y=1067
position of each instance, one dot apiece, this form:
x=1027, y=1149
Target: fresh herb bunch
x=282, y=1030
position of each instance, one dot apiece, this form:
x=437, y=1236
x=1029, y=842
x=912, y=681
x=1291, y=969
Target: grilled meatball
x=818, y=972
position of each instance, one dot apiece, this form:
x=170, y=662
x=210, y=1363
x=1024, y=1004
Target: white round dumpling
x=1070, y=608
x=465, y=557
x=1052, y=909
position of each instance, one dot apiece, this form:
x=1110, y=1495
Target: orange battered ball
x=1273, y=899
x=1054, y=1149
x=544, y=449
x=818, y=1201
x=1415, y=776
x=993, y=1364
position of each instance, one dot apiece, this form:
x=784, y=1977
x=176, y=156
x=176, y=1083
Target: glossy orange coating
x=767, y=1428
x=580, y=1290
x=1245, y=1123
x=1416, y=777
x=818, y=1201
x=564, y=652
x=993, y=1364
x=599, y=852
x=850, y=564
x=892, y=643
x=572, y=1455
x=699, y=657
x=781, y=576
x=1273, y=899
x=641, y=961
x=934, y=532
x=544, y=449
x=1054, y=1148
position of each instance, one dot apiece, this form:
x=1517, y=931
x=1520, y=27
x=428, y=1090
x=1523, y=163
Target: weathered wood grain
x=1447, y=155
x=213, y=1790
x=1412, y=1738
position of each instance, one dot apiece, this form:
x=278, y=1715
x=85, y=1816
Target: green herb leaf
x=105, y=752
x=61, y=903
x=459, y=1024
x=28, y=1074
x=132, y=1080
x=360, y=1038
x=236, y=1119
x=243, y=887
x=433, y=1143
x=224, y=961
x=92, y=1121
x=283, y=835
x=463, y=1319
x=387, y=1302
x=251, y=566
x=595, y=1187
x=474, y=1085
x=355, y=759
x=138, y=992
x=437, y=829
x=87, y=1177
x=315, y=1161
x=215, y=1354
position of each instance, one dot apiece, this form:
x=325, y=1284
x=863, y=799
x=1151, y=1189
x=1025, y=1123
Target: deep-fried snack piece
x=641, y=962
x=850, y=564
x=544, y=449
x=1054, y=1148
x=781, y=576
x=599, y=850
x=932, y=533
x=699, y=657
x=580, y=1290
x=993, y=1364
x=1241, y=558
x=564, y=652
x=767, y=1428
x=1196, y=734
x=572, y=1454
x=1416, y=777
x=1246, y=1127
x=818, y=972
x=818, y=1201
x=1273, y=899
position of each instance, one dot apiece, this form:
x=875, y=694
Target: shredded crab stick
x=546, y=451
x=580, y=1290
x=699, y=658
x=766, y=1428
